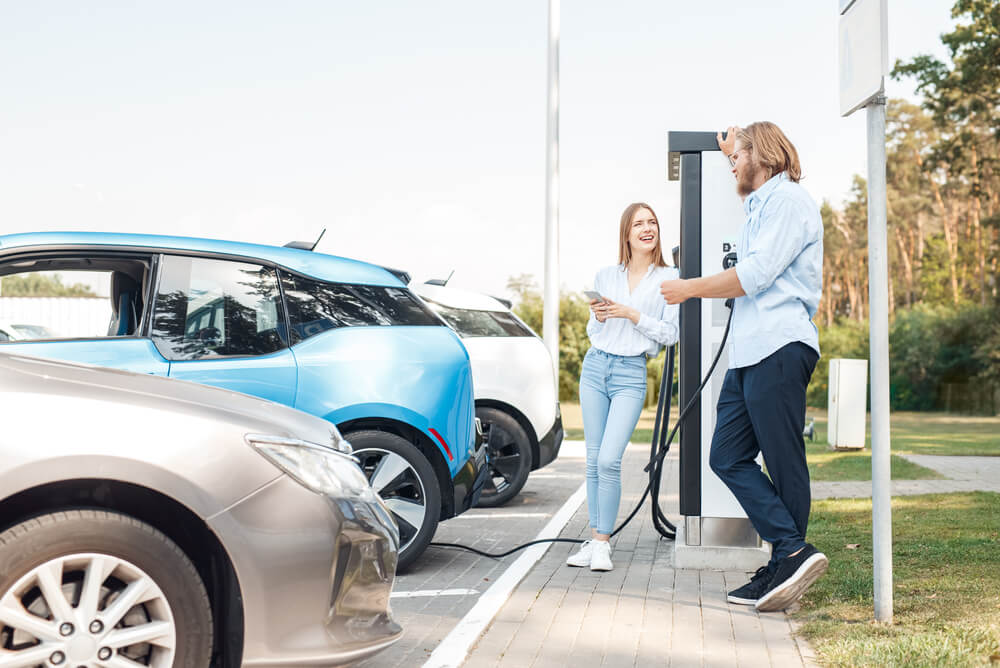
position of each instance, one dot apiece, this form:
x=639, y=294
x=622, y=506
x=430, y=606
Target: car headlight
x=316, y=467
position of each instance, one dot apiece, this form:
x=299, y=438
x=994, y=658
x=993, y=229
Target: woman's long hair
x=625, y=249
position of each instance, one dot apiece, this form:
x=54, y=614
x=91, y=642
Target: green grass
x=946, y=560
x=910, y=433
x=943, y=434
x=824, y=464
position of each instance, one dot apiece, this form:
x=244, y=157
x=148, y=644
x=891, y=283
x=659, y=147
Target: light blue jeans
x=612, y=390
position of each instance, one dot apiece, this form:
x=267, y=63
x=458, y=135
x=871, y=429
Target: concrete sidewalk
x=643, y=613
x=962, y=474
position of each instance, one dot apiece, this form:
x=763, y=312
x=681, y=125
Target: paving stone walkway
x=645, y=612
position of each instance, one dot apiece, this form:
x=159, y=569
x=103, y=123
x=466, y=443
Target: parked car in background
x=340, y=339
x=152, y=522
x=516, y=395
x=12, y=332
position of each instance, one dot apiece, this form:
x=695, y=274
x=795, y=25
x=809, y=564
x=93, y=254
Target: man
x=774, y=347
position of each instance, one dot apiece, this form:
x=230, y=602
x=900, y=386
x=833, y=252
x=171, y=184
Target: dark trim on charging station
x=684, y=159
x=691, y=142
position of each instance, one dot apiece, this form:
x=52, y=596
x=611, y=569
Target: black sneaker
x=751, y=591
x=794, y=576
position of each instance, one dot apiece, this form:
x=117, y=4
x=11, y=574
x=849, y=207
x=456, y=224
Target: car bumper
x=315, y=575
x=548, y=445
x=471, y=478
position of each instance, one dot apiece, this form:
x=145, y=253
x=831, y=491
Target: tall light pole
x=550, y=309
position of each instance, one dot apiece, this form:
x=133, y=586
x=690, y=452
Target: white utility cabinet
x=848, y=399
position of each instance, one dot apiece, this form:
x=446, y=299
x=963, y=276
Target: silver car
x=155, y=522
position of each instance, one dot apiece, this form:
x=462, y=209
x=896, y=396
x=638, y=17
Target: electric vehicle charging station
x=715, y=532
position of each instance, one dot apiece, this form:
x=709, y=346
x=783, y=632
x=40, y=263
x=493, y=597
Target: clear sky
x=413, y=131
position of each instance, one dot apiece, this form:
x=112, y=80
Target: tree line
x=943, y=205
x=41, y=285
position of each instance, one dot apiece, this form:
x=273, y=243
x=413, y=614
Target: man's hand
x=676, y=291
x=727, y=145
x=723, y=285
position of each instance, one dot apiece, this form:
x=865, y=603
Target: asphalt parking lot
x=438, y=591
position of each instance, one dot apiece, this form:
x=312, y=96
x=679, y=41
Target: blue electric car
x=341, y=339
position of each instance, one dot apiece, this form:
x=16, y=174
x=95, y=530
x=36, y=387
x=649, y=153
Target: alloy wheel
x=86, y=609
x=505, y=459
x=397, y=482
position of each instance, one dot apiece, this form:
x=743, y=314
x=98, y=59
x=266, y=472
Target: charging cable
x=657, y=453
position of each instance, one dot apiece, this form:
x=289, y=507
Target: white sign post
x=864, y=62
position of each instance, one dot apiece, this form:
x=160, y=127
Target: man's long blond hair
x=769, y=147
x=624, y=248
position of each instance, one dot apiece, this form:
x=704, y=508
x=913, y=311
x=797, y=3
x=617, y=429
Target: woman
x=629, y=323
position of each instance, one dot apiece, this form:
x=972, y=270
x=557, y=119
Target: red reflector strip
x=443, y=444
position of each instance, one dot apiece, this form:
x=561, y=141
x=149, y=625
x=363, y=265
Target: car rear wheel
x=88, y=587
x=405, y=480
x=509, y=455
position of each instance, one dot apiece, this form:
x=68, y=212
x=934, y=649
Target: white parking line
x=578, y=450
x=546, y=476
x=433, y=592
x=454, y=648
x=487, y=516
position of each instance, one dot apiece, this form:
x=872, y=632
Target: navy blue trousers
x=762, y=408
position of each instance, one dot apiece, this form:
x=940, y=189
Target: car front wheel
x=405, y=480
x=509, y=455
x=89, y=587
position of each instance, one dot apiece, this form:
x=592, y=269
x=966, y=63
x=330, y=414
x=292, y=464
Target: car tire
x=509, y=455
x=47, y=564
x=400, y=473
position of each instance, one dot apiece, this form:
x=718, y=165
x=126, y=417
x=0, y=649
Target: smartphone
x=592, y=295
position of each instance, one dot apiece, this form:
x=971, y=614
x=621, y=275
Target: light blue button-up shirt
x=780, y=267
x=657, y=319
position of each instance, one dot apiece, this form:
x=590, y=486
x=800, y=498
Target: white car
x=11, y=332
x=515, y=388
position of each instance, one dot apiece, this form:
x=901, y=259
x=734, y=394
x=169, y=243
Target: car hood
x=67, y=379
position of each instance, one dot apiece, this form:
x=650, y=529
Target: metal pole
x=878, y=299
x=550, y=309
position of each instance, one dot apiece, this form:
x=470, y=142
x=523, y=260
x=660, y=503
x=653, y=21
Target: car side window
x=216, y=308
x=471, y=323
x=316, y=306
x=73, y=297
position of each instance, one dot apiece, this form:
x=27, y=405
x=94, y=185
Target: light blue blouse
x=657, y=320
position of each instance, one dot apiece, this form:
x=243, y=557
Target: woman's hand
x=611, y=309
x=597, y=306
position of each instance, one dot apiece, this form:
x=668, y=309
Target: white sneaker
x=600, y=557
x=581, y=557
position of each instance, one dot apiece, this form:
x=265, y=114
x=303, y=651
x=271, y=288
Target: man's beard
x=744, y=181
